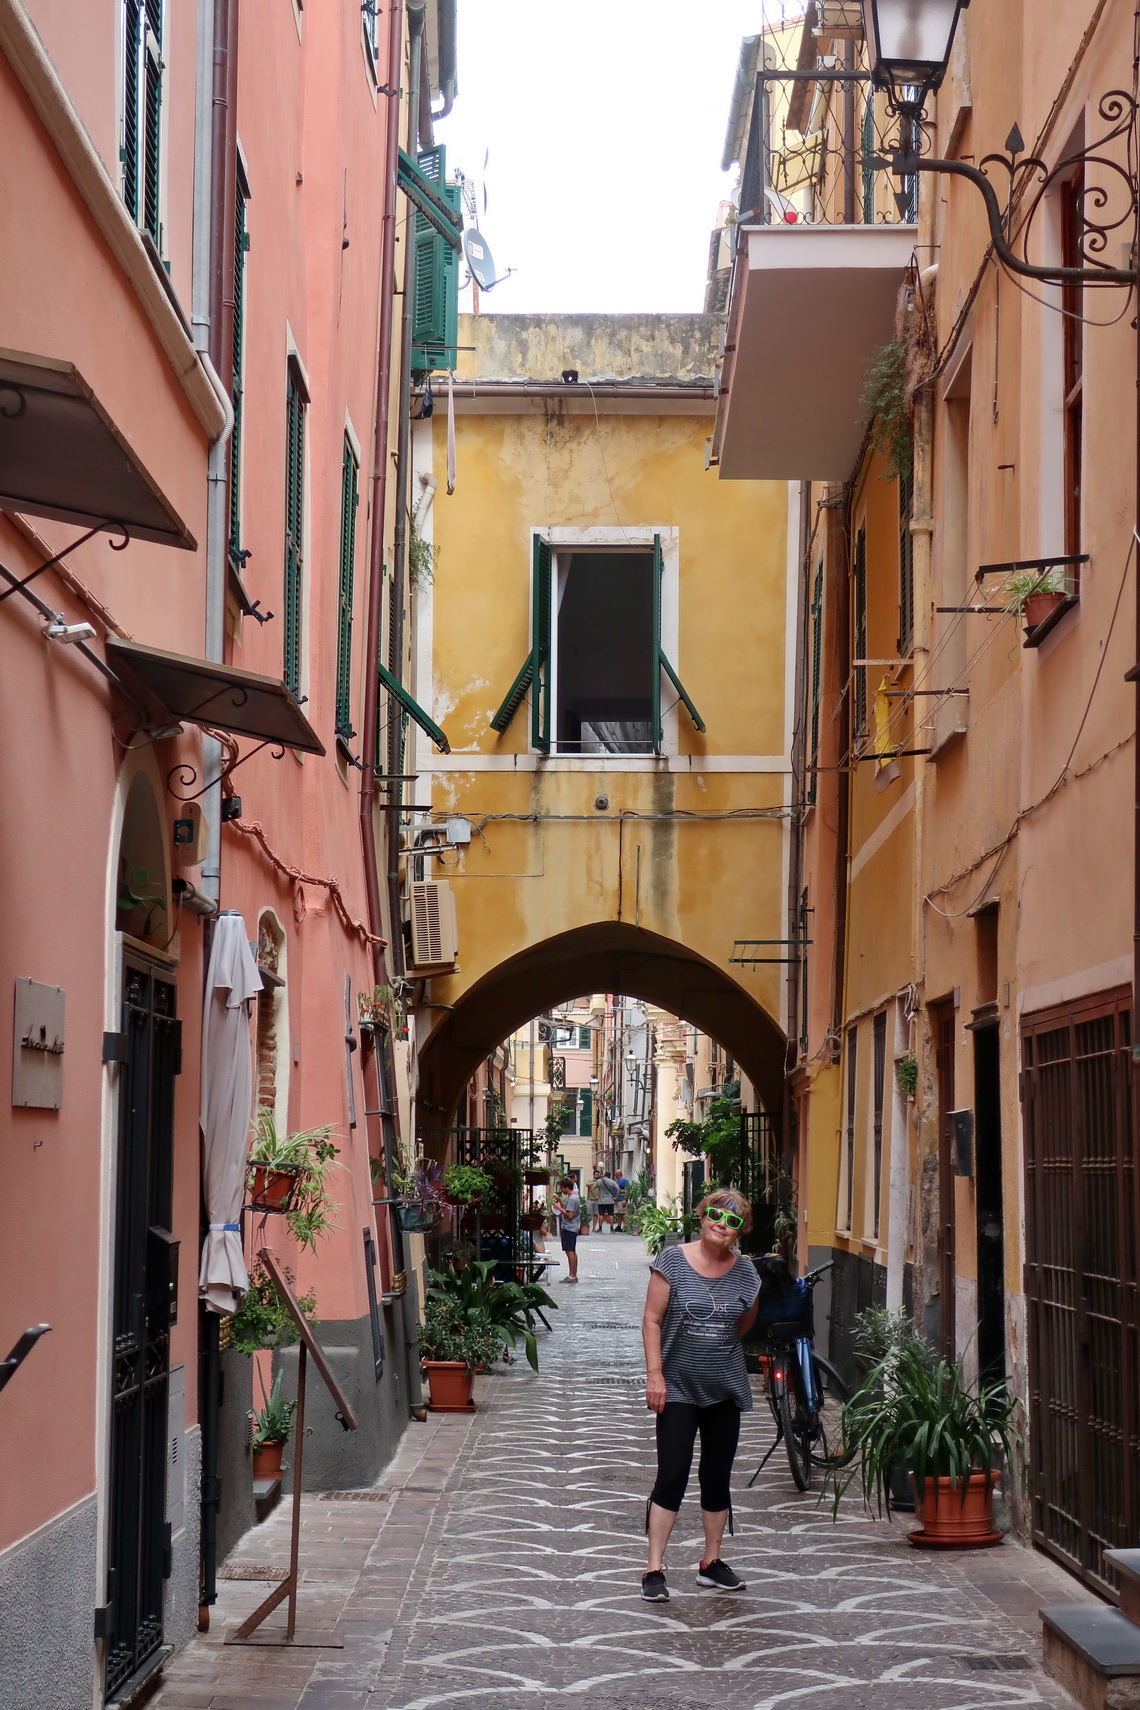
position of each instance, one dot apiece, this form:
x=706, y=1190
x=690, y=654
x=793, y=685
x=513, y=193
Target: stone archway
x=608, y=956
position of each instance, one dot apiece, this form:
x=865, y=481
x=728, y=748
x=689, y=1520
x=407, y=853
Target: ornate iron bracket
x=1119, y=111
x=186, y=775
x=100, y=528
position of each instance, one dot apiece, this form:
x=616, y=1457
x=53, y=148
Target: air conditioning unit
x=435, y=945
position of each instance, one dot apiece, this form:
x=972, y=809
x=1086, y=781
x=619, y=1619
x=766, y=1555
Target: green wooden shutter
x=859, y=635
x=515, y=695
x=129, y=152
x=435, y=291
x=540, y=647
x=586, y=1120
x=237, y=365
x=816, y=672
x=294, y=529
x=349, y=498
x=152, y=118
x=583, y=1039
x=662, y=662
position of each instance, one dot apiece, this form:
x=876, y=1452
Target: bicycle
x=805, y=1392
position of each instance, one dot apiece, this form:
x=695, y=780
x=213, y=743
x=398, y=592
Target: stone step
x=1127, y=1565
x=1095, y=1654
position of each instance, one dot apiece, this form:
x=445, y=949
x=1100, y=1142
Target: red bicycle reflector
x=777, y=1374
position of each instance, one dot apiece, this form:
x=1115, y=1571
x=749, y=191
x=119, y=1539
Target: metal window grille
x=942, y=1024
x=237, y=369
x=906, y=563
x=349, y=499
x=816, y=677
x=1081, y=1216
x=294, y=527
x=880, y=1064
x=859, y=635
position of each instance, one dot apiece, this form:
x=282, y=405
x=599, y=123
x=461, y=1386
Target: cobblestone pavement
x=498, y=1564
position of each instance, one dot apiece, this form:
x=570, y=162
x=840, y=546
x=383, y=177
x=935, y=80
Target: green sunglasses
x=718, y=1214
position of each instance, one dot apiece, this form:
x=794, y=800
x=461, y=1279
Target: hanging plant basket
x=494, y=1223
x=537, y=1178
x=418, y=1216
x=271, y=1186
x=461, y=1204
x=532, y=1220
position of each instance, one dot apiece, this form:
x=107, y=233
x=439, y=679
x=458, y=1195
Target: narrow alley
x=497, y=1562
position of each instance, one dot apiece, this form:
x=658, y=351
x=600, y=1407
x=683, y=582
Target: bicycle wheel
x=796, y=1439
x=827, y=1437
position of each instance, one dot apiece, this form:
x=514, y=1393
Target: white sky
x=604, y=121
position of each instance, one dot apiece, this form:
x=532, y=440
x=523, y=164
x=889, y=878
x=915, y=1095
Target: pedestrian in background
x=568, y=1206
x=701, y=1301
x=592, y=1218
x=607, y=1194
x=619, y=1203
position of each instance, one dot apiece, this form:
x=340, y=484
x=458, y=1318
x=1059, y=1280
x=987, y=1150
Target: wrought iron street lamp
x=909, y=41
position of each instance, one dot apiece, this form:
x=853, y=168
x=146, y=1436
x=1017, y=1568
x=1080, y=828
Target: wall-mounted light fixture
x=69, y=632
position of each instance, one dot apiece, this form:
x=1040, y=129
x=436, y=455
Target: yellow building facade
x=604, y=635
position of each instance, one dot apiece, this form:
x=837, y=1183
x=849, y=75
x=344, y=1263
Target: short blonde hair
x=732, y=1200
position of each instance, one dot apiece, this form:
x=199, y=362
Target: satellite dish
x=477, y=253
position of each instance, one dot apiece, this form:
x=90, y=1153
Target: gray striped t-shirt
x=701, y=1353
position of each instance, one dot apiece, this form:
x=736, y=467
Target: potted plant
x=506, y=1310
x=911, y=1411
x=289, y=1173
x=465, y=1184
x=451, y=1347
x=272, y=1429
x=419, y=1195
x=261, y=1321
x=1036, y=594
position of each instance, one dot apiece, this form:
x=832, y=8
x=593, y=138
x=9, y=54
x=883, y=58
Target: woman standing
x=701, y=1301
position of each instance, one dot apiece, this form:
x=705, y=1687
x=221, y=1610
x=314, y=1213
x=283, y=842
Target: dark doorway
x=988, y=1192
x=942, y=1027
x=150, y=1052
x=606, y=653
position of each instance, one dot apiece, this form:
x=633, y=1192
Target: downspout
x=215, y=146
x=379, y=504
x=396, y=591
x=839, y=542
x=799, y=760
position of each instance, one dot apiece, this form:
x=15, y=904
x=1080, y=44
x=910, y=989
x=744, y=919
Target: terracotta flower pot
x=267, y=1460
x=272, y=1187
x=949, y=1521
x=532, y=1220
x=450, y=1383
x=1038, y=607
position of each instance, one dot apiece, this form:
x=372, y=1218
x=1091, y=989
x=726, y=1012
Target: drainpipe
x=839, y=540
x=396, y=590
x=799, y=759
x=379, y=504
x=215, y=145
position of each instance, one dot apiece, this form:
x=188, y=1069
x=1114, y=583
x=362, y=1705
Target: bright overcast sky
x=603, y=122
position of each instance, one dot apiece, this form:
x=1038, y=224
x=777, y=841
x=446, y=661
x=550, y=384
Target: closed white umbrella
x=227, y=1097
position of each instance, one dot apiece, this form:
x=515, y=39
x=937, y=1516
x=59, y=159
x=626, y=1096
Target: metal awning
x=222, y=696
x=62, y=456
x=810, y=305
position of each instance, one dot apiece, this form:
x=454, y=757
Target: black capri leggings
x=677, y=1426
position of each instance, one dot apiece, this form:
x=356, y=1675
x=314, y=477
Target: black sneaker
x=718, y=1576
x=653, y=1588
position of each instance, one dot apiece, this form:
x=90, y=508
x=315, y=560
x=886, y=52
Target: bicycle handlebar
x=813, y=1277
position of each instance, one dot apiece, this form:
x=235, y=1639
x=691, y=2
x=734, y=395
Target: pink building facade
x=200, y=356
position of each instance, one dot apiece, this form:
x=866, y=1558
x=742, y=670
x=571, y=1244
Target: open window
x=596, y=662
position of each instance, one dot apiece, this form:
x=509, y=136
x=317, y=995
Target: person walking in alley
x=593, y=1218
x=607, y=1194
x=619, y=1203
x=568, y=1205
x=702, y=1299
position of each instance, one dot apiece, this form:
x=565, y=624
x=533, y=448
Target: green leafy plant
x=138, y=890
x=473, y=1297
x=444, y=1336
x=311, y=1153
x=422, y=555
x=885, y=405
x=382, y=1008
x=656, y=1222
x=916, y=1413
x=273, y=1423
x=1021, y=587
x=906, y=1076
x=722, y=1140
x=261, y=1321
x=464, y=1182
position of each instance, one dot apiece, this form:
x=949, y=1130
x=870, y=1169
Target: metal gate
x=762, y=1177
x=149, y=1050
x=1081, y=1282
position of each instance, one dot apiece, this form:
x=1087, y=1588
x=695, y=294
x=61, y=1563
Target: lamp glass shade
x=909, y=41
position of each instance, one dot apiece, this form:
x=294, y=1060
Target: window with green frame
x=859, y=636
x=296, y=402
x=237, y=370
x=586, y=1115
x=349, y=499
x=816, y=676
x=140, y=150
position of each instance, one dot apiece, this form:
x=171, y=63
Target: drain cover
x=353, y=1495
x=239, y=1570
x=996, y=1660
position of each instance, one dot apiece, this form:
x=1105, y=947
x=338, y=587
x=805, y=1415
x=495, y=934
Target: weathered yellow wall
x=551, y=463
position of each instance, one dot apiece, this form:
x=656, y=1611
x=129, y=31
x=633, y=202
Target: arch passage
x=608, y=957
